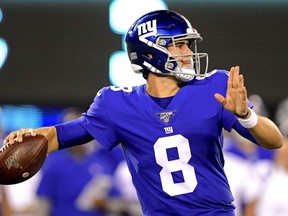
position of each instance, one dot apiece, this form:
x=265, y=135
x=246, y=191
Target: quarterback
x=171, y=128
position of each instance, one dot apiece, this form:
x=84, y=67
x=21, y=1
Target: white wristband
x=251, y=121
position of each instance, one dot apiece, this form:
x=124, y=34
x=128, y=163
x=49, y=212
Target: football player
x=171, y=128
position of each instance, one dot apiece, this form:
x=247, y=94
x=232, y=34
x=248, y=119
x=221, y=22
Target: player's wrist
x=245, y=116
x=250, y=119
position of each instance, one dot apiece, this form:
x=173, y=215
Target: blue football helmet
x=147, y=41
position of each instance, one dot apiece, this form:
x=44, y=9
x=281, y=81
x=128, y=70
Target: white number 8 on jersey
x=181, y=164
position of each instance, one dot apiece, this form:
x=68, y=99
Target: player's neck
x=161, y=86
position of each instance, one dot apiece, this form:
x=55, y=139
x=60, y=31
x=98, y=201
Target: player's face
x=182, y=52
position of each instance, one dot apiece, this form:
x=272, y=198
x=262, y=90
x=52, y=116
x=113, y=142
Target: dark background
x=59, y=53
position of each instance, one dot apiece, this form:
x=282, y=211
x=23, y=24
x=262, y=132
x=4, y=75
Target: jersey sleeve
x=72, y=133
x=98, y=123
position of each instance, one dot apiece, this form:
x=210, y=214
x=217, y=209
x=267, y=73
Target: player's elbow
x=276, y=143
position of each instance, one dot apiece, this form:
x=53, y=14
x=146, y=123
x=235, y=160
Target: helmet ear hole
x=149, y=55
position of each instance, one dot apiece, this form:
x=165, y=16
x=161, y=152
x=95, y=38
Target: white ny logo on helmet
x=147, y=29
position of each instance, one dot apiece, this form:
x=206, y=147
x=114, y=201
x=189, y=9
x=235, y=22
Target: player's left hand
x=236, y=99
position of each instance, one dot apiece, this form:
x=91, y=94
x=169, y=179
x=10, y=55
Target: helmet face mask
x=148, y=40
x=186, y=73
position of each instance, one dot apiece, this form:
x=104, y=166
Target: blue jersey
x=174, y=154
x=65, y=177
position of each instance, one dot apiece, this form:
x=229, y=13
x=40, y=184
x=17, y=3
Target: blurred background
x=61, y=52
x=56, y=54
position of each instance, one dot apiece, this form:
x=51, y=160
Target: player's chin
x=186, y=66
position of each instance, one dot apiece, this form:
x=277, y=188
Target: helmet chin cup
x=185, y=75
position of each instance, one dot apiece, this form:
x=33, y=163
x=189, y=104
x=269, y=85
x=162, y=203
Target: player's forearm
x=267, y=134
x=51, y=134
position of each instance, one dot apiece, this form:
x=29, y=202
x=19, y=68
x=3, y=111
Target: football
x=22, y=160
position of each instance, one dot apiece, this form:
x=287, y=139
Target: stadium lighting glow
x=120, y=19
x=3, y=46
